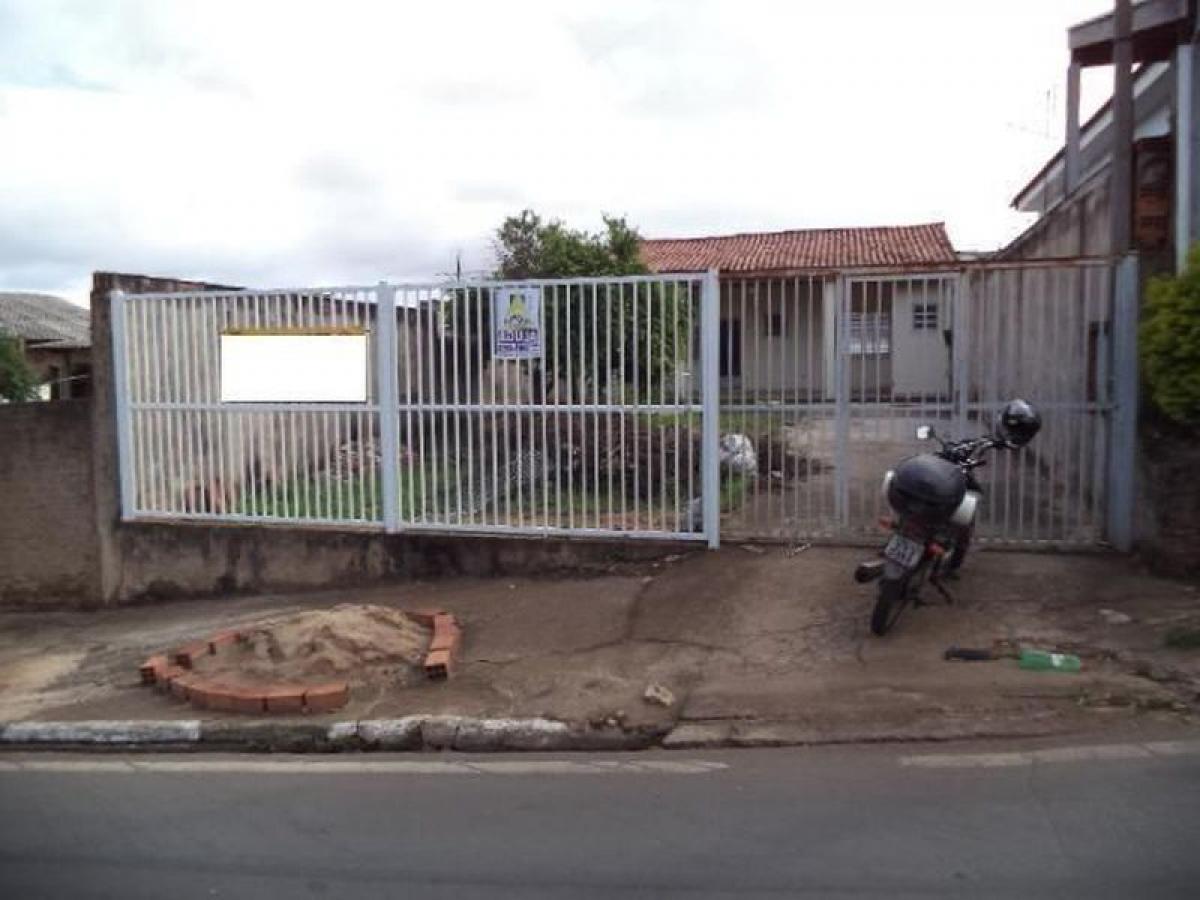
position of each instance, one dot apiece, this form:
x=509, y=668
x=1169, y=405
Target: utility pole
x=1121, y=178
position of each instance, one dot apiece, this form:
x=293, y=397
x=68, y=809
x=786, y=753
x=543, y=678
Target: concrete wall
x=160, y=562
x=48, y=545
x=137, y=562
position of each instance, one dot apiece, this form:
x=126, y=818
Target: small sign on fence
x=517, y=323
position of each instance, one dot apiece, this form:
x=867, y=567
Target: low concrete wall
x=48, y=545
x=180, y=559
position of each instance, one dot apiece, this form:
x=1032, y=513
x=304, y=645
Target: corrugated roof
x=45, y=319
x=816, y=248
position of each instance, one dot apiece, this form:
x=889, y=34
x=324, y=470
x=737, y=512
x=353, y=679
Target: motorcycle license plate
x=904, y=551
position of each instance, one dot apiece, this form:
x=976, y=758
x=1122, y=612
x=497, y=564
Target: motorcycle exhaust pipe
x=868, y=571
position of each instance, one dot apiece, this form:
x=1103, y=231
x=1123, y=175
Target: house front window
x=870, y=333
x=924, y=316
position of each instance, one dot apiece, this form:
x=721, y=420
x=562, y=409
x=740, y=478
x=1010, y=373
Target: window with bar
x=925, y=316
x=870, y=333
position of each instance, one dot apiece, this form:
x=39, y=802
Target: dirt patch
x=25, y=681
x=361, y=643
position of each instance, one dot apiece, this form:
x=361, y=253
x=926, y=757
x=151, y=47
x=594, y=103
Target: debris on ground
x=798, y=549
x=968, y=654
x=1115, y=617
x=363, y=642
x=753, y=548
x=659, y=695
x=1049, y=661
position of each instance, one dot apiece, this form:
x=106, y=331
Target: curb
x=466, y=734
x=411, y=733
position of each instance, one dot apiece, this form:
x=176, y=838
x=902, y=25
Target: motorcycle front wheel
x=893, y=597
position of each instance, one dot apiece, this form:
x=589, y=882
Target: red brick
x=220, y=698
x=150, y=668
x=446, y=636
x=200, y=694
x=222, y=639
x=179, y=685
x=231, y=698
x=163, y=676
x=326, y=697
x=187, y=655
x=283, y=698
x=439, y=664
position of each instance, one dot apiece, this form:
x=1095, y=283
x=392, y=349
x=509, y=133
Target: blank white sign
x=293, y=368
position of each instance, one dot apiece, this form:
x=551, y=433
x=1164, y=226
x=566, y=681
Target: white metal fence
x=828, y=377
x=596, y=431
x=650, y=407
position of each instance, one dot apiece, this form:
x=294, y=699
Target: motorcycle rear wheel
x=959, y=556
x=890, y=602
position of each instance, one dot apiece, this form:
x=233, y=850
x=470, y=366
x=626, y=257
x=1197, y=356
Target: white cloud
x=296, y=142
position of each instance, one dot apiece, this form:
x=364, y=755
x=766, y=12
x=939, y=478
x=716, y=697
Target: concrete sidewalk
x=758, y=646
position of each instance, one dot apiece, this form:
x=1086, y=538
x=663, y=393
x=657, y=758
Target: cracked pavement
x=769, y=647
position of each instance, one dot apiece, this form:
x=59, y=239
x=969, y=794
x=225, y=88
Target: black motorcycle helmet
x=1017, y=424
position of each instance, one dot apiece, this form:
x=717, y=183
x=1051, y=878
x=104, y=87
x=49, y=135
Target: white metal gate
x=651, y=407
x=827, y=376
x=600, y=429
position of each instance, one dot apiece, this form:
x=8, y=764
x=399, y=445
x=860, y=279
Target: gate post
x=389, y=424
x=1122, y=455
x=710, y=389
x=120, y=369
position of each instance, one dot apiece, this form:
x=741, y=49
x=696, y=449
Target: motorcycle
x=935, y=498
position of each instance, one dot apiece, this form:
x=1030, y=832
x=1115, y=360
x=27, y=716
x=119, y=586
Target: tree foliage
x=1170, y=342
x=528, y=247
x=18, y=381
x=596, y=338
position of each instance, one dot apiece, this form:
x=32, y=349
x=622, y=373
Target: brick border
x=173, y=673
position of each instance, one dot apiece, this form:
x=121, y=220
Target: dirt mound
x=356, y=642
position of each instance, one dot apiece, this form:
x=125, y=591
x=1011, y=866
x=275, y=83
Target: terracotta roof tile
x=818, y=248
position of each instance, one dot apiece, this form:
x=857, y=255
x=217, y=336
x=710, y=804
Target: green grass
x=359, y=499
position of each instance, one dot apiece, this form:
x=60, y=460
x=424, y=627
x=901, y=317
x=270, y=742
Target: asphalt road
x=873, y=821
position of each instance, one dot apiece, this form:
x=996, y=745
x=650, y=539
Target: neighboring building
x=779, y=305
x=1072, y=192
x=56, y=337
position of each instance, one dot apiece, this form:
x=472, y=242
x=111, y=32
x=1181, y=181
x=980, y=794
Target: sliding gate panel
x=566, y=406
x=828, y=377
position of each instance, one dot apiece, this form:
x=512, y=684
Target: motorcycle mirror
x=924, y=432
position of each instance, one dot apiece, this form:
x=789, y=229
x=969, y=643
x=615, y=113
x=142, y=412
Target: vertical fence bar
x=388, y=415
x=710, y=329
x=960, y=348
x=1123, y=422
x=841, y=389
x=121, y=391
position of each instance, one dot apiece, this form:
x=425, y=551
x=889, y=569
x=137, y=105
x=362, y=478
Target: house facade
x=56, y=338
x=779, y=303
x=1072, y=193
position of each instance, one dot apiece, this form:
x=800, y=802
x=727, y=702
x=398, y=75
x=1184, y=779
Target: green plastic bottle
x=1043, y=660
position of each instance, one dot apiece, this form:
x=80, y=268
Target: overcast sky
x=295, y=143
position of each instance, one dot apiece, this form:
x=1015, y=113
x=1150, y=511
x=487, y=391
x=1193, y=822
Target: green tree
x=528, y=247
x=1170, y=342
x=18, y=382
x=592, y=334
